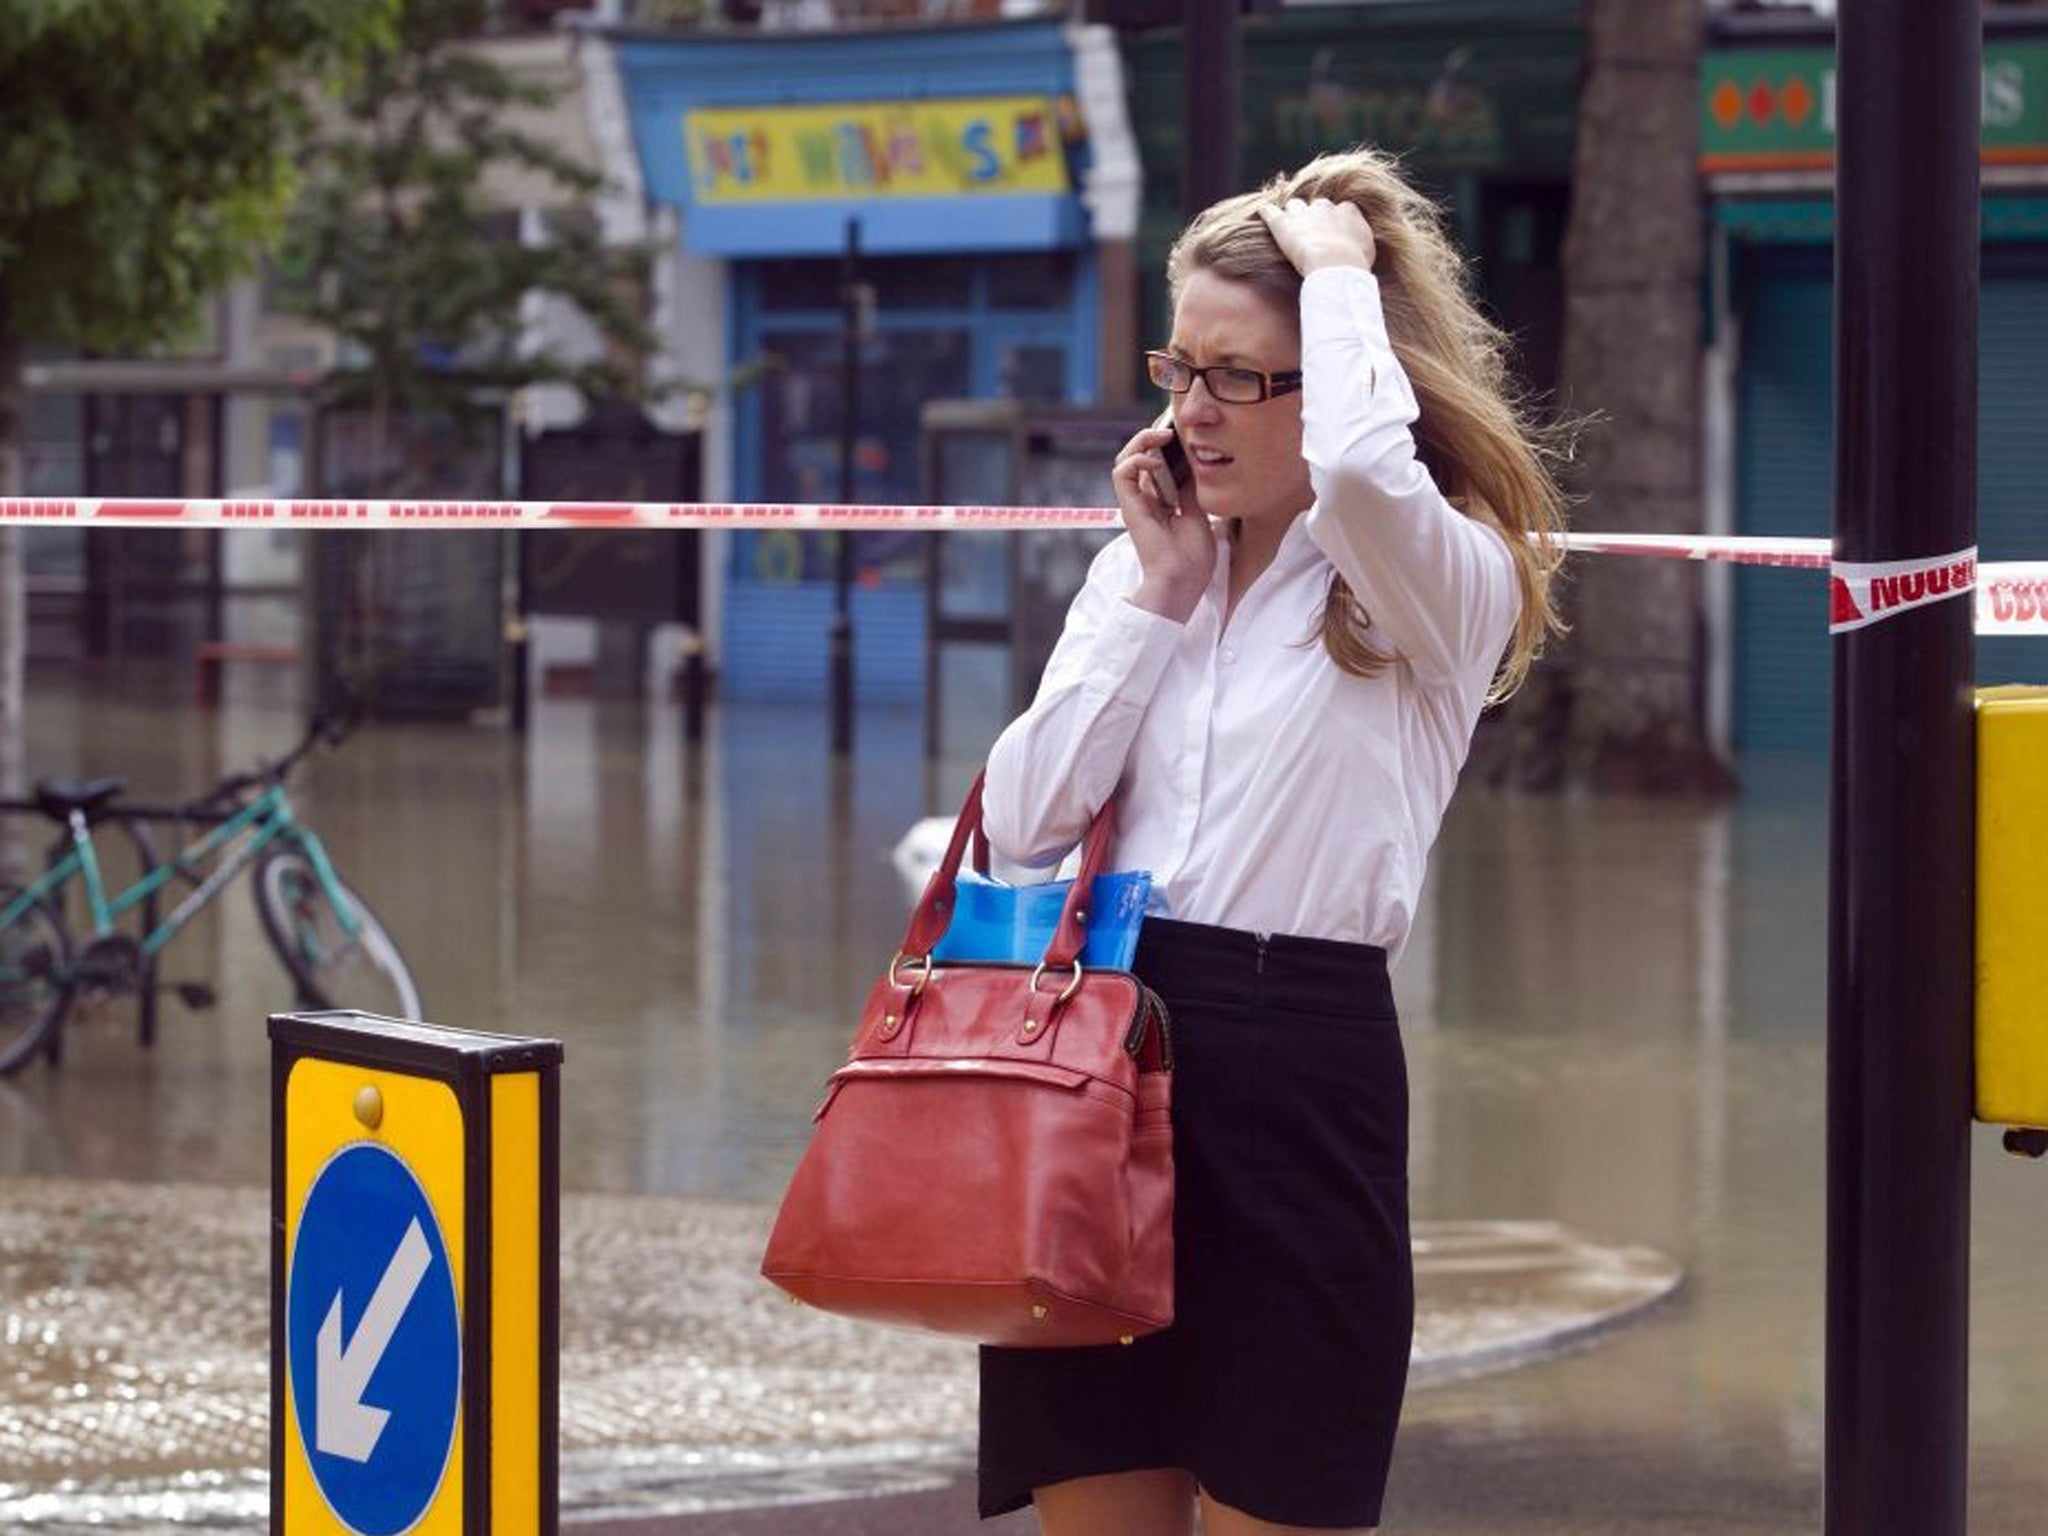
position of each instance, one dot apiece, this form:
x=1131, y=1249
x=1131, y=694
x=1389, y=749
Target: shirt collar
x=1297, y=552
x=1296, y=547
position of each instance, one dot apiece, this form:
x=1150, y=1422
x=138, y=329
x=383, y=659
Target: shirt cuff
x=1345, y=302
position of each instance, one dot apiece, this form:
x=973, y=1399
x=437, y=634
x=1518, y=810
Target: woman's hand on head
x=1320, y=234
x=1176, y=546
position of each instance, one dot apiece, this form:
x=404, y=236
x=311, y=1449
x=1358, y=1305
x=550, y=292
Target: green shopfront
x=1767, y=157
x=1478, y=97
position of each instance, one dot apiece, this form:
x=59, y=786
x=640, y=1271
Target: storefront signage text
x=1449, y=125
x=1774, y=109
x=941, y=148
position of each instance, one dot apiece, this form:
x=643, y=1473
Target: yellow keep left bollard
x=2012, y=916
x=415, y=1242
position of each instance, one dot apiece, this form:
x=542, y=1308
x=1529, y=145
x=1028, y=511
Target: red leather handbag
x=995, y=1159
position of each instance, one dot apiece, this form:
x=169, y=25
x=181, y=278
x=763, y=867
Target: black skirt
x=1279, y=1385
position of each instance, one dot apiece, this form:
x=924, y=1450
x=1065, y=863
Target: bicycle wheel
x=35, y=979
x=331, y=969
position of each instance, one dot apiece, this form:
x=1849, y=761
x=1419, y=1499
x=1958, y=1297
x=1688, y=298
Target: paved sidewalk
x=134, y=1385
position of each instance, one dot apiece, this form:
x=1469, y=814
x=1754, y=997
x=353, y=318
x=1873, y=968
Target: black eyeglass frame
x=1285, y=382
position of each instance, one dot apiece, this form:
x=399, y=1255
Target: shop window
x=1034, y=373
x=135, y=445
x=973, y=468
x=410, y=453
x=1521, y=272
x=946, y=328
x=801, y=404
x=936, y=282
x=801, y=411
x=899, y=282
x=798, y=285
x=1040, y=280
x=53, y=444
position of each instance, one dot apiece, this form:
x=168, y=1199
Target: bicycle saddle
x=60, y=797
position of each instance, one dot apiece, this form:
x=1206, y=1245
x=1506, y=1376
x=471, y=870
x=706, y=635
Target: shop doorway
x=1000, y=327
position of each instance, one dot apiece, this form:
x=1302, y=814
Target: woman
x=1276, y=673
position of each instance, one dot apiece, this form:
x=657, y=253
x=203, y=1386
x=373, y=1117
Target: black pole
x=518, y=632
x=1902, y=822
x=695, y=686
x=1210, y=96
x=841, y=632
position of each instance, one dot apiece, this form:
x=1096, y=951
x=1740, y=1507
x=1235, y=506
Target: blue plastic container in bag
x=994, y=921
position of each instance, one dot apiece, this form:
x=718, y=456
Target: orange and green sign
x=932, y=148
x=1773, y=109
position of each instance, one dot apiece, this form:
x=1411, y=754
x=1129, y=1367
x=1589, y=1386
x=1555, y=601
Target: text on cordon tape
x=1860, y=594
x=2012, y=598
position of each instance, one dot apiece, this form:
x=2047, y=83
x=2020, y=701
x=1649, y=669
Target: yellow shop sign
x=942, y=148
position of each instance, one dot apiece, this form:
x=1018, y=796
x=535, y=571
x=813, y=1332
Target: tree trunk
x=13, y=603
x=1634, y=665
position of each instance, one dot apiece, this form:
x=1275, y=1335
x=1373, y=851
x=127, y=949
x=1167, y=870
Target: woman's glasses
x=1232, y=386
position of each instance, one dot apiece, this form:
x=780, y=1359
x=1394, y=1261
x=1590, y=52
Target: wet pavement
x=1613, y=1010
x=137, y=1386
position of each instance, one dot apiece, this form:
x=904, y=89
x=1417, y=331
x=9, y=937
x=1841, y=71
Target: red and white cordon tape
x=110, y=512
x=2011, y=599
x=1861, y=594
x=2011, y=596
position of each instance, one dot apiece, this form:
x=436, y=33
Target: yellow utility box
x=415, y=1242
x=2012, y=909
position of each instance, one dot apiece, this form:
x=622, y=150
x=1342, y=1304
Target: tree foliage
x=147, y=152
x=395, y=246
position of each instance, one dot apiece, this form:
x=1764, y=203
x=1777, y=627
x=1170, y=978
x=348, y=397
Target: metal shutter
x=2012, y=443
x=1784, y=486
x=1785, y=479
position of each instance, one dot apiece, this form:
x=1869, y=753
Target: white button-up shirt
x=1263, y=787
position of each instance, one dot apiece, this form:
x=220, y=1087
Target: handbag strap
x=935, y=908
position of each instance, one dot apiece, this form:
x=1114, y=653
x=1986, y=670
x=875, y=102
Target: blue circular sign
x=372, y=1341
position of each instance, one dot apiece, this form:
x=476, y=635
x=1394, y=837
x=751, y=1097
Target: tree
x=147, y=155
x=395, y=247
x=1632, y=364
x=398, y=247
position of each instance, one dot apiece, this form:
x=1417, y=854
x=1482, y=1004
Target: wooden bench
x=212, y=655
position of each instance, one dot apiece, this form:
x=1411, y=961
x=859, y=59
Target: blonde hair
x=1476, y=434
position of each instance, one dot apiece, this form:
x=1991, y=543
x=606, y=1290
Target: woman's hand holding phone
x=1176, y=546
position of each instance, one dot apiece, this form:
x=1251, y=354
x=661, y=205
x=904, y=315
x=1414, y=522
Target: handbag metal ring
x=923, y=976
x=1071, y=988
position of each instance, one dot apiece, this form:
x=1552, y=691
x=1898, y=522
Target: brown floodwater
x=1615, y=1014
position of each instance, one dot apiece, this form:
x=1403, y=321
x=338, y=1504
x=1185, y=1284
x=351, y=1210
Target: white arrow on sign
x=344, y=1424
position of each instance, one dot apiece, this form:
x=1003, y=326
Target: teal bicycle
x=337, y=954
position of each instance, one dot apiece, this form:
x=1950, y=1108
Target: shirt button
x=1229, y=655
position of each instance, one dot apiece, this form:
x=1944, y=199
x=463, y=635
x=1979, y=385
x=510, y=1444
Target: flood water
x=1614, y=1010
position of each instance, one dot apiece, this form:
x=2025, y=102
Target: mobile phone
x=1177, y=461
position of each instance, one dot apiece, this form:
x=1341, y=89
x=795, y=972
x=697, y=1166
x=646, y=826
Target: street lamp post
x=1902, y=812
x=841, y=631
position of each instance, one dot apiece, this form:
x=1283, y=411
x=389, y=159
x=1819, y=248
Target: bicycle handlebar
x=221, y=802
x=323, y=730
